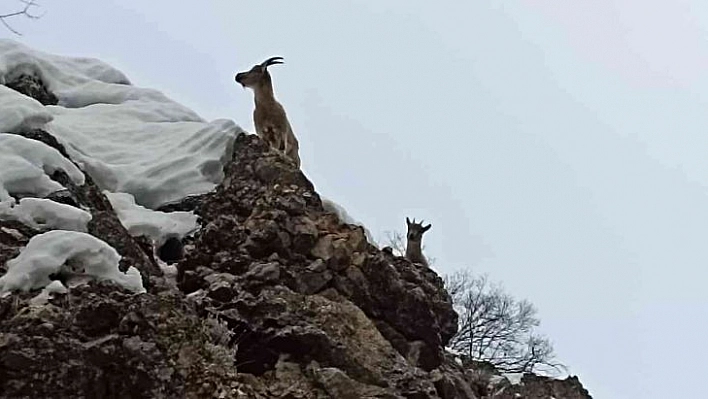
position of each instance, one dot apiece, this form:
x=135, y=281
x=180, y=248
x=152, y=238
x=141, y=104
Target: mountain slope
x=272, y=296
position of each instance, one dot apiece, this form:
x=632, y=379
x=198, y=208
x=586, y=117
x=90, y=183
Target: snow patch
x=42, y=213
x=514, y=378
x=157, y=161
x=156, y=225
x=71, y=253
x=62, y=75
x=55, y=287
x=25, y=166
x=128, y=139
x=344, y=217
x=20, y=112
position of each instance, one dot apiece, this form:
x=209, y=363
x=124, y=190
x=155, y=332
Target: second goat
x=414, y=244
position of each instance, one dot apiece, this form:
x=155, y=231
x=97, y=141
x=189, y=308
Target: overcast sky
x=559, y=146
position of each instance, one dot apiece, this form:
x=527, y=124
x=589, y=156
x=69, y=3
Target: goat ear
x=408, y=222
x=426, y=228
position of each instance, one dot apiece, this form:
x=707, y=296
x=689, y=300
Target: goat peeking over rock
x=414, y=251
x=269, y=117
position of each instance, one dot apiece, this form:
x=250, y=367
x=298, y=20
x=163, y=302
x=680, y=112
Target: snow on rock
x=55, y=287
x=71, y=253
x=157, y=161
x=25, y=166
x=42, y=213
x=157, y=225
x=514, y=378
x=63, y=75
x=344, y=217
x=20, y=112
x=128, y=139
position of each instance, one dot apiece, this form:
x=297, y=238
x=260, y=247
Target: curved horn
x=272, y=61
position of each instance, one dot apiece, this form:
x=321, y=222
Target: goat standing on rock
x=269, y=117
x=414, y=249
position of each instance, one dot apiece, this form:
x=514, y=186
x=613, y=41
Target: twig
x=26, y=12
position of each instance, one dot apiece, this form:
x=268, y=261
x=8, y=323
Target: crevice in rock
x=254, y=354
x=27, y=80
x=171, y=251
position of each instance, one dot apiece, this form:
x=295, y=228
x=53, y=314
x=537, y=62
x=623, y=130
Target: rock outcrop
x=275, y=298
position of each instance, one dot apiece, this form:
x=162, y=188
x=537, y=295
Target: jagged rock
x=187, y=204
x=271, y=211
x=338, y=385
x=317, y=266
x=278, y=299
x=452, y=381
x=264, y=272
x=221, y=291
x=106, y=343
x=313, y=282
x=537, y=387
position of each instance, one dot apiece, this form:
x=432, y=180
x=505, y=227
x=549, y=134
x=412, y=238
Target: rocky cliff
x=273, y=298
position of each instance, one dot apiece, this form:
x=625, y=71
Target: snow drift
x=68, y=253
x=40, y=213
x=25, y=166
x=157, y=225
x=128, y=139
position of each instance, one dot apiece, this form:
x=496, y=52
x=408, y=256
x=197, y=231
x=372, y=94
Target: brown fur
x=269, y=116
x=414, y=249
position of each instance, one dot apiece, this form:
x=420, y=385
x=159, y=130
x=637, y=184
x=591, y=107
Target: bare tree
x=27, y=10
x=397, y=241
x=493, y=326
x=496, y=328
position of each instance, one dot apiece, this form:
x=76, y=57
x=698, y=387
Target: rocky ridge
x=274, y=298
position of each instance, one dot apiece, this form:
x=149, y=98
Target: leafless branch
x=496, y=328
x=396, y=241
x=26, y=11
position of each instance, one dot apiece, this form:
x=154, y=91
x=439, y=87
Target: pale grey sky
x=558, y=146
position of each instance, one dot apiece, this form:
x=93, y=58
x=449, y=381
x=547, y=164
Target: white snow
x=514, y=378
x=25, y=165
x=55, y=287
x=144, y=148
x=20, y=112
x=42, y=213
x=126, y=148
x=159, y=226
x=128, y=139
x=69, y=252
x=344, y=217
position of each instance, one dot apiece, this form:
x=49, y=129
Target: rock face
x=275, y=298
x=535, y=387
x=299, y=285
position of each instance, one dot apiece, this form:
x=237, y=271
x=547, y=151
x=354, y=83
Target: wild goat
x=414, y=251
x=272, y=124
